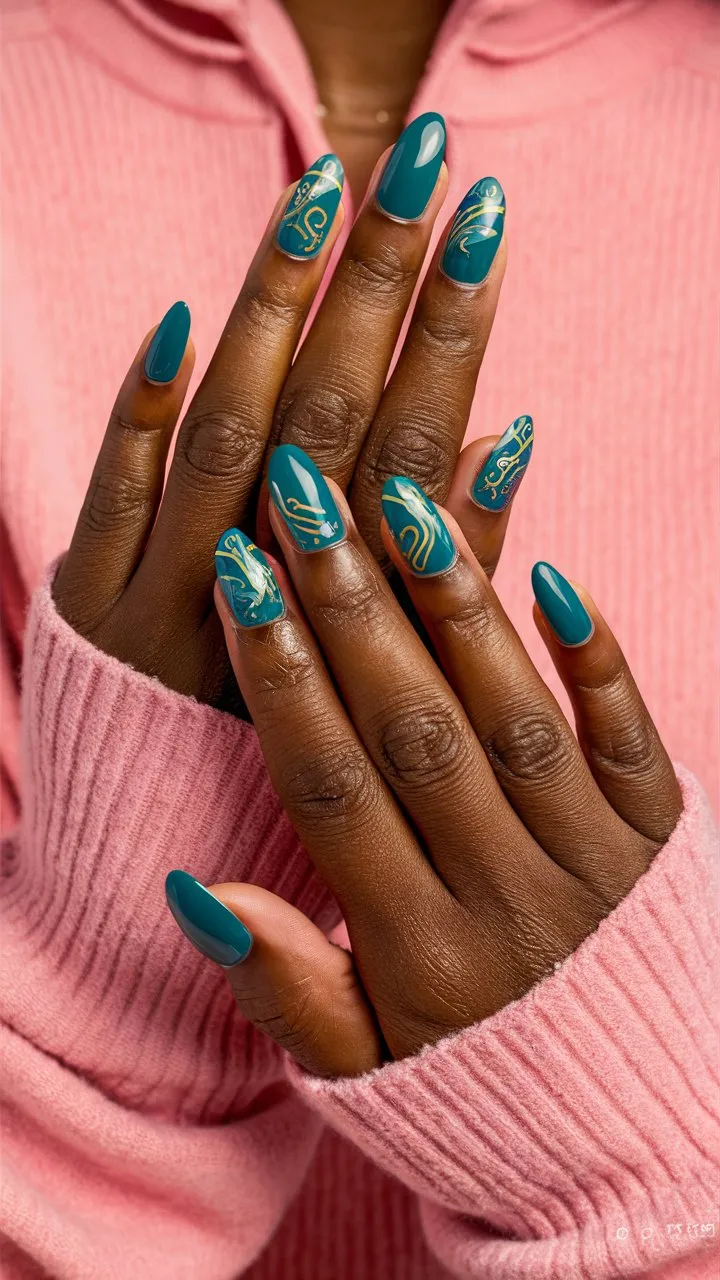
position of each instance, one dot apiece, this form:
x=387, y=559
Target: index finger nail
x=311, y=209
x=409, y=177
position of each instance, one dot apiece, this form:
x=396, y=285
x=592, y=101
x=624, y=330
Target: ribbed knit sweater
x=148, y=1130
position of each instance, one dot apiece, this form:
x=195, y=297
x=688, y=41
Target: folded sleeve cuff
x=124, y=780
x=583, y=1115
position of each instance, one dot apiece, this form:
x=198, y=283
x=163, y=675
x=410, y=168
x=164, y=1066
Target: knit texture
x=148, y=1130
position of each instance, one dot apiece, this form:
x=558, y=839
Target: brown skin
x=138, y=578
x=471, y=839
x=367, y=59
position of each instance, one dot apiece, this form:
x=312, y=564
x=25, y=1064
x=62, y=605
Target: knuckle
x=215, y=445
x=379, y=276
x=422, y=744
x=527, y=748
x=271, y=306
x=116, y=500
x=286, y=667
x=448, y=334
x=630, y=751
x=324, y=421
x=331, y=785
x=354, y=599
x=473, y=619
x=426, y=453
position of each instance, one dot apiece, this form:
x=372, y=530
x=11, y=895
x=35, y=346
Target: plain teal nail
x=248, y=583
x=311, y=209
x=206, y=922
x=504, y=468
x=409, y=177
x=475, y=234
x=301, y=495
x=418, y=529
x=561, y=605
x=165, y=353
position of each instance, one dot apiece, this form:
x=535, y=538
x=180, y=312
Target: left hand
x=472, y=841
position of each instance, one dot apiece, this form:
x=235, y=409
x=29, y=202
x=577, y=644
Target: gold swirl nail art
x=416, y=526
x=505, y=467
x=248, y=582
x=311, y=209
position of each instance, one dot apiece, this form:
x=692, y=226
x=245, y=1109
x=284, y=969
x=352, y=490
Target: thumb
x=288, y=979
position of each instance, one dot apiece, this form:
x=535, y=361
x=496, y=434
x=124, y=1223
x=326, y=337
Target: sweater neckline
x=597, y=48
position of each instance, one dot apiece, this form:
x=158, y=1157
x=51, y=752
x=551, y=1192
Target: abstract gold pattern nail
x=417, y=527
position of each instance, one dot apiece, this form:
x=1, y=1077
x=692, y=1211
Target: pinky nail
x=206, y=921
x=164, y=355
x=311, y=209
x=505, y=467
x=561, y=605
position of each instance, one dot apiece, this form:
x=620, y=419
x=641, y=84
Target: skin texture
x=138, y=578
x=472, y=840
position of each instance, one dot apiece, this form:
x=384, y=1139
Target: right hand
x=138, y=578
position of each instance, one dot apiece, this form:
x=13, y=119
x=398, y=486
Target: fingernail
x=504, y=468
x=311, y=209
x=164, y=355
x=303, y=499
x=208, y=924
x=417, y=527
x=248, y=583
x=475, y=234
x=409, y=177
x=561, y=605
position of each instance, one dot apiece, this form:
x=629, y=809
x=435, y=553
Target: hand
x=471, y=840
x=137, y=580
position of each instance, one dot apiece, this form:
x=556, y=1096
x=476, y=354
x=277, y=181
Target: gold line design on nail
x=307, y=519
x=505, y=474
x=421, y=540
x=261, y=584
x=304, y=215
x=467, y=220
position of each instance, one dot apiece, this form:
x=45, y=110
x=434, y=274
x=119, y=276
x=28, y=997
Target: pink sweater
x=148, y=1131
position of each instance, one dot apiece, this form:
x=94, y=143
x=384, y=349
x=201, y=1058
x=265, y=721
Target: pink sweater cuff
x=123, y=781
x=576, y=1130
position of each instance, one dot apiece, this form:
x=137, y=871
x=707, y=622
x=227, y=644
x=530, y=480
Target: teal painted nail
x=417, y=527
x=303, y=499
x=208, y=924
x=164, y=355
x=311, y=209
x=561, y=605
x=249, y=584
x=505, y=467
x=409, y=177
x=475, y=234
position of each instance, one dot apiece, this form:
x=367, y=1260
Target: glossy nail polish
x=249, y=584
x=208, y=924
x=417, y=527
x=409, y=177
x=310, y=211
x=561, y=605
x=164, y=355
x=505, y=467
x=303, y=499
x=475, y=234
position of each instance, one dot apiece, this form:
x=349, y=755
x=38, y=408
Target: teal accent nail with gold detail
x=475, y=234
x=561, y=605
x=409, y=177
x=301, y=495
x=248, y=583
x=505, y=467
x=165, y=353
x=417, y=527
x=311, y=209
x=206, y=922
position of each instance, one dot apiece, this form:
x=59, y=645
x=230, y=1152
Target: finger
x=217, y=457
x=127, y=480
x=620, y=741
x=340, y=807
x=288, y=979
x=410, y=722
x=337, y=380
x=486, y=479
x=421, y=422
x=527, y=740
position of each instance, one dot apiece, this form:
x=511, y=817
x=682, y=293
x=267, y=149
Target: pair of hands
x=471, y=841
